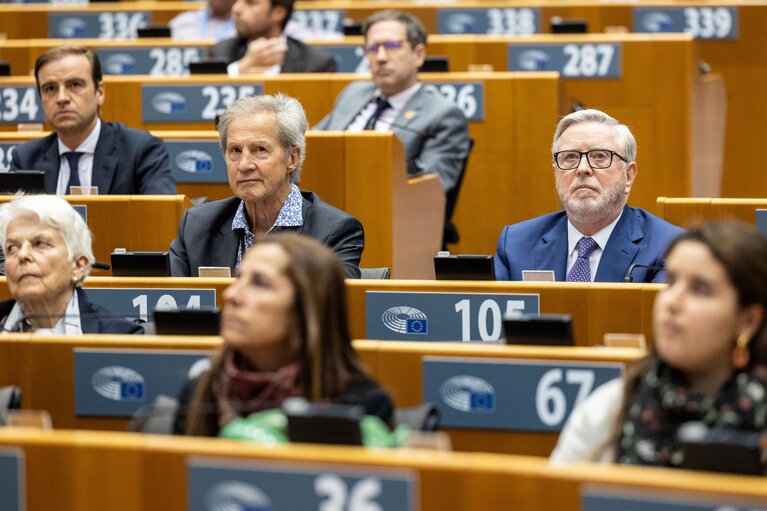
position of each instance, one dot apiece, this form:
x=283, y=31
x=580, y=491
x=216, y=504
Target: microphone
x=630, y=273
x=100, y=266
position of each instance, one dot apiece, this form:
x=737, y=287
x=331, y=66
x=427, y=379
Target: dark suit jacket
x=126, y=161
x=299, y=58
x=205, y=235
x=94, y=319
x=432, y=129
x=541, y=244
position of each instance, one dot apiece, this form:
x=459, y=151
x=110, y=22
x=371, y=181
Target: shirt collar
x=68, y=325
x=399, y=100
x=601, y=236
x=290, y=214
x=89, y=144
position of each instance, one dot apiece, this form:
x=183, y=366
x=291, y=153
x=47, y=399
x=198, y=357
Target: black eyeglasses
x=387, y=46
x=597, y=159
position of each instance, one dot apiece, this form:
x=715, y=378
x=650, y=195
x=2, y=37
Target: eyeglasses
x=597, y=159
x=387, y=46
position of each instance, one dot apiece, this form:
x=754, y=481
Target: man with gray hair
x=598, y=237
x=433, y=131
x=264, y=144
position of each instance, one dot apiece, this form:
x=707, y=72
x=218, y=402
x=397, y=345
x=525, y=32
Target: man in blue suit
x=597, y=237
x=83, y=150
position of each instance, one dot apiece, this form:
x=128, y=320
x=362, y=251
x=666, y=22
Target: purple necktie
x=581, y=270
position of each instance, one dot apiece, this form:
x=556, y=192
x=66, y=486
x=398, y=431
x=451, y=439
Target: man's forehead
x=589, y=132
x=68, y=66
x=386, y=30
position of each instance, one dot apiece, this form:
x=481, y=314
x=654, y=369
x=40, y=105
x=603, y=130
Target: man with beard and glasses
x=597, y=237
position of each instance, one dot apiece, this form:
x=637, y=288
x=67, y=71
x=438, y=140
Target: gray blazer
x=432, y=129
x=205, y=235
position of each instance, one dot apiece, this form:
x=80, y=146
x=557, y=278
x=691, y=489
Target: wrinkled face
x=70, y=98
x=590, y=196
x=256, y=18
x=697, y=317
x=257, y=166
x=37, y=262
x=258, y=307
x=394, y=69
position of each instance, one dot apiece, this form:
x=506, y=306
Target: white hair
x=56, y=213
x=625, y=138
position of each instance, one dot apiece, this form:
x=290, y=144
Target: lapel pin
x=409, y=114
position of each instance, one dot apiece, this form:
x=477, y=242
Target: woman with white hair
x=48, y=254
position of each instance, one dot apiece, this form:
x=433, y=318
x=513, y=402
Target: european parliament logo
x=118, y=383
x=468, y=394
x=405, y=320
x=72, y=27
x=534, y=60
x=120, y=64
x=195, y=162
x=169, y=103
x=236, y=496
x=657, y=22
x=461, y=23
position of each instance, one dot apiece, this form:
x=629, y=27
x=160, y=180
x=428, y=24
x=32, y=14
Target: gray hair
x=56, y=213
x=625, y=138
x=290, y=118
x=414, y=30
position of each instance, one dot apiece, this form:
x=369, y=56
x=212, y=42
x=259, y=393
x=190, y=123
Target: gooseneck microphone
x=630, y=273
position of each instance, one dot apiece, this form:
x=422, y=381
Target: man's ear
x=100, y=93
x=278, y=13
x=631, y=174
x=420, y=53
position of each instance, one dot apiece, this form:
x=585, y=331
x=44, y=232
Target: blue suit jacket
x=126, y=161
x=541, y=244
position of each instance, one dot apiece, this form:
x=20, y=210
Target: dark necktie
x=581, y=270
x=74, y=177
x=381, y=105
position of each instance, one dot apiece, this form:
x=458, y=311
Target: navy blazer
x=299, y=57
x=205, y=235
x=94, y=319
x=541, y=244
x=126, y=161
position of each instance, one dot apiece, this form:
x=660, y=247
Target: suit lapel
x=50, y=165
x=89, y=323
x=356, y=102
x=104, y=160
x=621, y=248
x=227, y=245
x=410, y=113
x=295, y=58
x=550, y=253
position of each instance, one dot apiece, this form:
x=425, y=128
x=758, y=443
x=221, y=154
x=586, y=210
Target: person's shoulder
x=214, y=209
x=539, y=224
x=435, y=100
x=654, y=224
x=36, y=145
x=120, y=130
x=321, y=208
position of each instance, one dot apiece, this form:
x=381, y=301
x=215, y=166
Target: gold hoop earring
x=741, y=355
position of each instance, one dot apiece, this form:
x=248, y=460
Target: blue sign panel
x=349, y=58
x=494, y=21
x=397, y=316
x=510, y=395
x=96, y=25
x=709, y=22
x=12, y=480
x=191, y=103
x=156, y=61
x=761, y=221
x=20, y=104
x=197, y=161
x=116, y=383
x=613, y=500
x=320, y=23
x=82, y=211
x=6, y=153
x=137, y=303
x=572, y=60
x=243, y=484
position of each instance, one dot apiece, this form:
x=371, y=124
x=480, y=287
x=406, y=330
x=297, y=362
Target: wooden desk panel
x=133, y=222
x=686, y=212
x=91, y=471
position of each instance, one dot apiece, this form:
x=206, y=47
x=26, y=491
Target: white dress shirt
x=69, y=324
x=397, y=102
x=601, y=237
x=84, y=166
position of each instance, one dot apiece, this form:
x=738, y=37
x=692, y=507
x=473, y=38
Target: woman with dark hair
x=709, y=363
x=285, y=334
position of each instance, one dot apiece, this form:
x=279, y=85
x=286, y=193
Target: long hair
x=329, y=364
x=742, y=252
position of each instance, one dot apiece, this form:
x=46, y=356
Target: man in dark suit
x=108, y=155
x=597, y=237
x=261, y=46
x=264, y=144
x=432, y=129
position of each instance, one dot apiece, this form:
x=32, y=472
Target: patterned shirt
x=289, y=216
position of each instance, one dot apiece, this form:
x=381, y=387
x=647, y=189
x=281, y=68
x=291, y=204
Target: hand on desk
x=263, y=53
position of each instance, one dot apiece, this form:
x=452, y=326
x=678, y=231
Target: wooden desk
x=361, y=173
x=686, y=212
x=522, y=107
x=91, y=471
x=43, y=366
x=133, y=222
